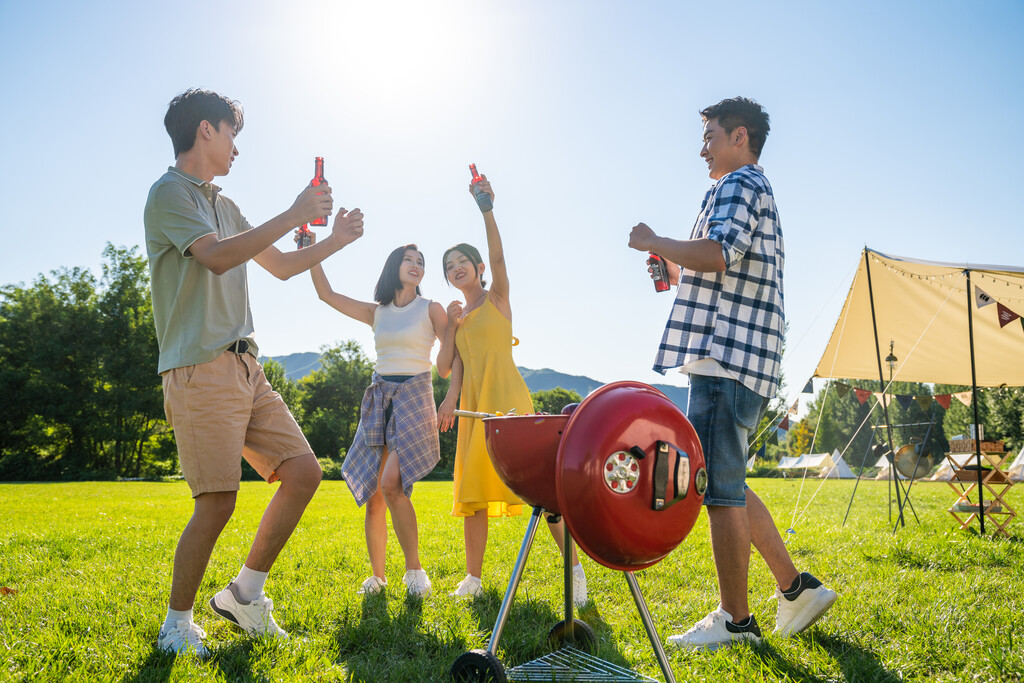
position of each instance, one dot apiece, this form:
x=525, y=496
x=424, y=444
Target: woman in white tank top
x=396, y=443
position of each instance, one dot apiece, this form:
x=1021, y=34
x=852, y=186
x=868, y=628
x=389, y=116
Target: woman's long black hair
x=389, y=282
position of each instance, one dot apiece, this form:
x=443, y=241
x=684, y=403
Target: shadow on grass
x=233, y=661
x=525, y=636
x=392, y=646
x=856, y=663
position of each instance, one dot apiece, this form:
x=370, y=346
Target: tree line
x=80, y=397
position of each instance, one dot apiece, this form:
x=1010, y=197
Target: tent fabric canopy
x=922, y=307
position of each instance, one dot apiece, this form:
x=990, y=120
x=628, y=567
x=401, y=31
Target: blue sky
x=894, y=125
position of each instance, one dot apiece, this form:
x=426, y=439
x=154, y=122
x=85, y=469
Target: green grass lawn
x=91, y=566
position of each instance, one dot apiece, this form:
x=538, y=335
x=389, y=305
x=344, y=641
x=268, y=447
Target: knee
x=301, y=475
x=213, y=510
x=392, y=490
x=376, y=504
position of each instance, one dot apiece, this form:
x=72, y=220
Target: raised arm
x=221, y=255
x=348, y=227
x=362, y=311
x=495, y=251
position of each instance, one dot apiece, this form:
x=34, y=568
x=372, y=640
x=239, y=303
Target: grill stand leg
x=567, y=545
x=513, y=582
x=652, y=633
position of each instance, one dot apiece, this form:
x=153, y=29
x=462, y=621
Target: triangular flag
x=924, y=401
x=809, y=387
x=904, y=401
x=862, y=394
x=981, y=299
x=784, y=425
x=1006, y=316
x=842, y=389
x=964, y=397
x=773, y=438
x=944, y=400
x=795, y=408
x=883, y=398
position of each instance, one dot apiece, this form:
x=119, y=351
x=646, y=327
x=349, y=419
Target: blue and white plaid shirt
x=736, y=316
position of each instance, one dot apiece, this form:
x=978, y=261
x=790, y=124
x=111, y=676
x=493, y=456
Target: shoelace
x=187, y=631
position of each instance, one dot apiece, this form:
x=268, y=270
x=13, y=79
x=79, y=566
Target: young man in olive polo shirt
x=216, y=396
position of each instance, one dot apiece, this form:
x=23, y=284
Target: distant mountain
x=298, y=365
x=541, y=380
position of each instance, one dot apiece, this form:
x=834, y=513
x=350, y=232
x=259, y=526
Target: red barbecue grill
x=625, y=470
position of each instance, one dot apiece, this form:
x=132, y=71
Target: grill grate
x=570, y=664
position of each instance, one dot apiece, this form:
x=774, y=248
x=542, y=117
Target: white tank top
x=403, y=337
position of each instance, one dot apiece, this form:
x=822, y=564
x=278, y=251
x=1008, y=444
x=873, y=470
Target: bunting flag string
x=1006, y=316
x=885, y=398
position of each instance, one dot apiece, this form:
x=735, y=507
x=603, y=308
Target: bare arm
x=362, y=311
x=446, y=411
x=221, y=255
x=348, y=227
x=495, y=251
x=703, y=255
x=448, y=353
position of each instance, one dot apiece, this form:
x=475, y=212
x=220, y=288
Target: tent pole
x=881, y=383
x=974, y=401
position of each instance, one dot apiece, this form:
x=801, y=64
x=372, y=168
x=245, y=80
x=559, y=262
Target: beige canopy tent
x=950, y=323
x=922, y=306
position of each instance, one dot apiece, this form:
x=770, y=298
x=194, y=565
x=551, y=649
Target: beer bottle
x=304, y=238
x=483, y=200
x=318, y=179
x=659, y=272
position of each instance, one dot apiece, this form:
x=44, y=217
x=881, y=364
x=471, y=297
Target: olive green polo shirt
x=198, y=314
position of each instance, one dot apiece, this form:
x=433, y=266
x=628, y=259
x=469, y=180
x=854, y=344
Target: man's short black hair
x=187, y=110
x=741, y=111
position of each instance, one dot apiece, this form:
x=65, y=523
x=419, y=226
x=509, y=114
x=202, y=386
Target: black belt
x=240, y=346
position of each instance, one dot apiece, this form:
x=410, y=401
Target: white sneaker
x=417, y=583
x=372, y=586
x=469, y=587
x=184, y=636
x=254, y=617
x=579, y=586
x=716, y=630
x=797, y=612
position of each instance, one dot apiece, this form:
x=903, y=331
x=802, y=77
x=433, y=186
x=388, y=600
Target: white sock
x=250, y=583
x=578, y=569
x=174, y=616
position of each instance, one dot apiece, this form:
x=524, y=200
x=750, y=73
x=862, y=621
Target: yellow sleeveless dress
x=491, y=384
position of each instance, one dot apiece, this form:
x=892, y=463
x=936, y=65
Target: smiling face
x=460, y=270
x=410, y=272
x=722, y=151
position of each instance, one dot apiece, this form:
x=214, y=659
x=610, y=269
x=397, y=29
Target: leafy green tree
x=333, y=393
x=1005, y=415
x=130, y=399
x=291, y=392
x=49, y=375
x=553, y=400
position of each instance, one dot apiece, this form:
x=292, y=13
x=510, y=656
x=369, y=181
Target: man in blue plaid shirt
x=725, y=331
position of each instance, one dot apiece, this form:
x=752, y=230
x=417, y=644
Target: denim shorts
x=724, y=413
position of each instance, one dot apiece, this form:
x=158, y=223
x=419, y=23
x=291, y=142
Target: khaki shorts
x=225, y=410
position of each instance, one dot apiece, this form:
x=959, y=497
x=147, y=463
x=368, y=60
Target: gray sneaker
x=254, y=617
x=804, y=606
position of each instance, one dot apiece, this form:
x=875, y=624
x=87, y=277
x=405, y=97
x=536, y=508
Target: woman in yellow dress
x=477, y=352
